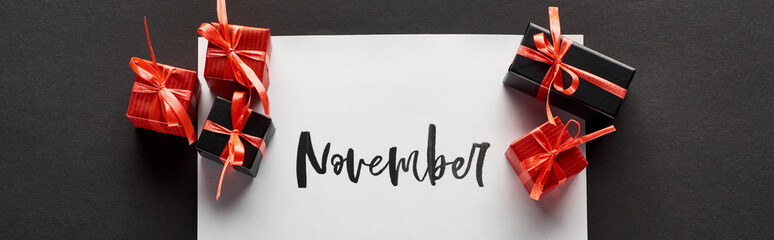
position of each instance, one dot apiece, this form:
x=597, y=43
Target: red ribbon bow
x=546, y=160
x=553, y=53
x=167, y=100
x=234, y=153
x=227, y=40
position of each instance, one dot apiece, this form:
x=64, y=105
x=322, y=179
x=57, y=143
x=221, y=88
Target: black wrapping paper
x=211, y=144
x=589, y=102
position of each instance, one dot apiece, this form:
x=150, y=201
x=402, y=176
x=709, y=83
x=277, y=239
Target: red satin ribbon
x=553, y=53
x=234, y=153
x=227, y=40
x=546, y=160
x=167, y=100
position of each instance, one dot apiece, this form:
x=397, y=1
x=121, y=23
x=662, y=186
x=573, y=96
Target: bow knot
x=558, y=60
x=554, y=152
x=162, y=85
x=553, y=52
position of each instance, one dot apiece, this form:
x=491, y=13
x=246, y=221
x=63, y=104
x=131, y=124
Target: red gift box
x=163, y=97
x=237, y=57
x=253, y=46
x=145, y=100
x=548, y=155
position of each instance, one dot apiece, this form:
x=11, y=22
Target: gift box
x=214, y=139
x=185, y=88
x=237, y=58
x=571, y=161
x=548, y=155
x=253, y=46
x=597, y=92
x=164, y=98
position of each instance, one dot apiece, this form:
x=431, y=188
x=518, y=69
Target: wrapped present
x=164, y=98
x=237, y=57
x=235, y=135
x=548, y=155
x=577, y=79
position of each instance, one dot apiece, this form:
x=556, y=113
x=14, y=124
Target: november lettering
x=436, y=167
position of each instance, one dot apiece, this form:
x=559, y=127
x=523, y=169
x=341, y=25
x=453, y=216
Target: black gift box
x=211, y=144
x=589, y=102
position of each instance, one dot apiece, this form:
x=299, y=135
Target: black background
x=691, y=159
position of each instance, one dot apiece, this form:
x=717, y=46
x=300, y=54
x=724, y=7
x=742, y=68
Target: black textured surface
x=691, y=159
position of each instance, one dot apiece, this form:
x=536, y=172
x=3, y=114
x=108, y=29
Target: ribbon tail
x=147, y=35
x=223, y=19
x=264, y=98
x=537, y=189
x=549, y=114
x=236, y=154
x=181, y=114
x=231, y=151
x=545, y=85
x=553, y=17
x=598, y=81
x=170, y=114
x=190, y=132
x=222, y=174
x=253, y=80
x=598, y=133
x=545, y=89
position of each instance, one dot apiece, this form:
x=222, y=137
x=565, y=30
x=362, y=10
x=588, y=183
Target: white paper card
x=373, y=92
